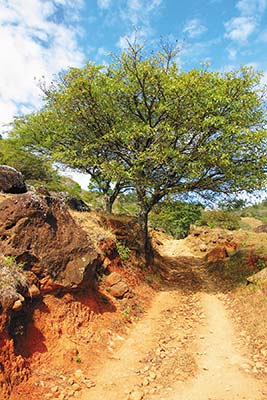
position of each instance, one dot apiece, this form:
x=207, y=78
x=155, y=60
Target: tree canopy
x=143, y=123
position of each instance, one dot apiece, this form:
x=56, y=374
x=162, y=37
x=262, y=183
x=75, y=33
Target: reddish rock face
x=40, y=232
x=13, y=368
x=216, y=254
x=11, y=180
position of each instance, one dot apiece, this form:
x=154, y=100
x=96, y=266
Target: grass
x=91, y=223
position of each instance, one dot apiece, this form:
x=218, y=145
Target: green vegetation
x=258, y=211
x=175, y=217
x=78, y=358
x=219, y=219
x=141, y=123
x=124, y=251
x=33, y=167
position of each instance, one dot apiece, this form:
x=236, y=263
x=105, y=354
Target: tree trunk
x=144, y=209
x=143, y=222
x=109, y=200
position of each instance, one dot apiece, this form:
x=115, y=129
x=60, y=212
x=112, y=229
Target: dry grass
x=249, y=309
x=91, y=223
x=251, y=222
x=248, y=303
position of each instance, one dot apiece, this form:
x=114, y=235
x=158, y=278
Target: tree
x=72, y=126
x=142, y=122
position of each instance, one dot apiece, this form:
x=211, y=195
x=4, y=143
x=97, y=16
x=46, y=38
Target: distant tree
x=141, y=122
x=232, y=204
x=30, y=165
x=175, y=217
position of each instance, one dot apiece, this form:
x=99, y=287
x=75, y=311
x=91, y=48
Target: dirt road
x=184, y=348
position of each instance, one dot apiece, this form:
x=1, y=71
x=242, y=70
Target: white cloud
x=139, y=12
x=194, y=28
x=34, y=42
x=104, y=4
x=232, y=53
x=251, y=7
x=240, y=28
x=263, y=36
x=139, y=35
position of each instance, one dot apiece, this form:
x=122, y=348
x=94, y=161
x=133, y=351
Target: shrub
x=175, y=217
x=219, y=219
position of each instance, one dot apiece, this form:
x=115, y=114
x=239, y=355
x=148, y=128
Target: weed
x=78, y=359
x=124, y=251
x=126, y=313
x=261, y=264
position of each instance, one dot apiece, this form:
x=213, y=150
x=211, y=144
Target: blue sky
x=38, y=38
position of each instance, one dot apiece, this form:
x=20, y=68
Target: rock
x=33, y=291
x=136, y=395
x=119, y=289
x=203, y=247
x=75, y=203
x=261, y=228
x=216, y=254
x=260, y=276
x=11, y=180
x=146, y=382
x=78, y=375
x=113, y=279
x=17, y=306
x=76, y=387
x=40, y=233
x=54, y=389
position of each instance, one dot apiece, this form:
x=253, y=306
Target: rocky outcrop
x=11, y=180
x=40, y=233
x=74, y=203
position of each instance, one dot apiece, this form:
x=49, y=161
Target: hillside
x=83, y=317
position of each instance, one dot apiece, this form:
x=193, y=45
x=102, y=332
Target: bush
x=175, y=217
x=219, y=219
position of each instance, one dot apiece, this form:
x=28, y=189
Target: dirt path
x=220, y=377
x=184, y=348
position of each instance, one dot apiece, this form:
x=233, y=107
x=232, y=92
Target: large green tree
x=144, y=123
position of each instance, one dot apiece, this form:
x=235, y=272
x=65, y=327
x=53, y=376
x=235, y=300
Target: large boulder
x=11, y=180
x=74, y=203
x=40, y=233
